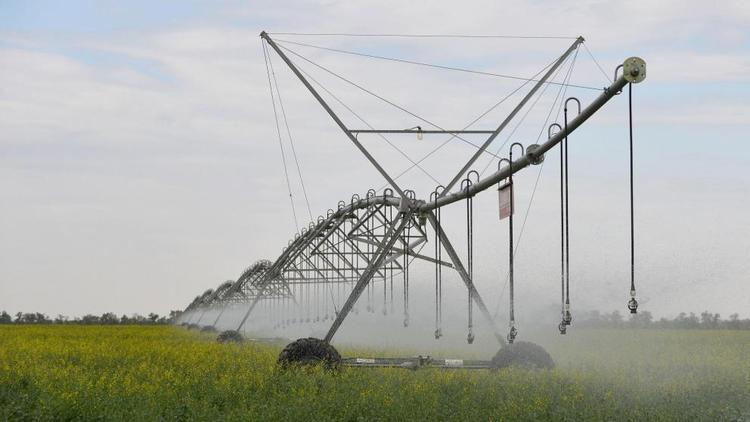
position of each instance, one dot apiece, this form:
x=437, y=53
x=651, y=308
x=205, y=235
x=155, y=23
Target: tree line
x=644, y=319
x=592, y=319
x=107, y=318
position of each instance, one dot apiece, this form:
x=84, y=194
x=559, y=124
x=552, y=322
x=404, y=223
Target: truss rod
x=425, y=131
x=388, y=241
x=464, y=276
x=333, y=115
x=512, y=114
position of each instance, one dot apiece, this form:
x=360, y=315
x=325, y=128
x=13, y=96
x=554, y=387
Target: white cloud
x=129, y=192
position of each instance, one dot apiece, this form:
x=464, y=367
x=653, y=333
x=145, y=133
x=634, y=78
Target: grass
x=167, y=373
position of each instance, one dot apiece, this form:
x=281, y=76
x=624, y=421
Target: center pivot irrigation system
x=362, y=250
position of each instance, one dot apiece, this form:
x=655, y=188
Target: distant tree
x=31, y=318
x=152, y=317
x=693, y=321
x=709, y=320
x=642, y=319
x=615, y=318
x=90, y=319
x=5, y=318
x=61, y=319
x=173, y=315
x=686, y=321
x=663, y=323
x=734, y=321
x=109, y=318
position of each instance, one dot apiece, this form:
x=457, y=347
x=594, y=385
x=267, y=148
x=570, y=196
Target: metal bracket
x=634, y=70
x=535, y=159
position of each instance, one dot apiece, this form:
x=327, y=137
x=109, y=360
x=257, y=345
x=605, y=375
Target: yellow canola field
x=167, y=373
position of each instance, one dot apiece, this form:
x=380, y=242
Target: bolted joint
x=634, y=70
x=404, y=205
x=534, y=157
x=422, y=218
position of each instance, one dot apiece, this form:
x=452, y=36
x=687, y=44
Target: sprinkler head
x=470, y=338
x=438, y=334
x=562, y=327
x=406, y=322
x=633, y=305
x=512, y=334
x=567, y=318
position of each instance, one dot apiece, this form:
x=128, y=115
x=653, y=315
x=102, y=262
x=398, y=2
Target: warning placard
x=505, y=195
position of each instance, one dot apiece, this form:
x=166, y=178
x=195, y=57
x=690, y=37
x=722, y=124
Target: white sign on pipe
x=505, y=195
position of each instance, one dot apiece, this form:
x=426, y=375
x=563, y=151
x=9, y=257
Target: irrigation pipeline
x=530, y=156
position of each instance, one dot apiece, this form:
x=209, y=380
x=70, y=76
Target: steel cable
x=379, y=97
x=431, y=65
x=281, y=145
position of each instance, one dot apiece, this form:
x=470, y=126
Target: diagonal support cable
x=512, y=114
x=291, y=140
x=281, y=144
x=333, y=115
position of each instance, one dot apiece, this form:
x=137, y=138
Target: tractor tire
x=309, y=352
x=229, y=336
x=523, y=354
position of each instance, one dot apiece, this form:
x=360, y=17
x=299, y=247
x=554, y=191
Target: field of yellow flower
x=168, y=373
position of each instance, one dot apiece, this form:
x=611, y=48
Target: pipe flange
x=535, y=158
x=634, y=70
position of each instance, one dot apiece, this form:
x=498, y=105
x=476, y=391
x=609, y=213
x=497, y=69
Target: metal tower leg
x=382, y=252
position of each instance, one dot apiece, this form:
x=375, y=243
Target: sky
x=140, y=163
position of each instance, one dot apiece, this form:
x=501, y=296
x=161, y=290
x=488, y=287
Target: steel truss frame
x=357, y=246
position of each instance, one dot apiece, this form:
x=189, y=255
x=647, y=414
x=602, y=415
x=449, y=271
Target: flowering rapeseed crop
x=166, y=373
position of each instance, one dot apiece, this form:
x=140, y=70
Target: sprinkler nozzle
x=512, y=334
x=633, y=306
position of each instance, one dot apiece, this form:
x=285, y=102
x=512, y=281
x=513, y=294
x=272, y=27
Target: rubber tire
x=229, y=336
x=309, y=351
x=523, y=354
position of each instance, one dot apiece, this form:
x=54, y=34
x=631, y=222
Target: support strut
x=383, y=249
